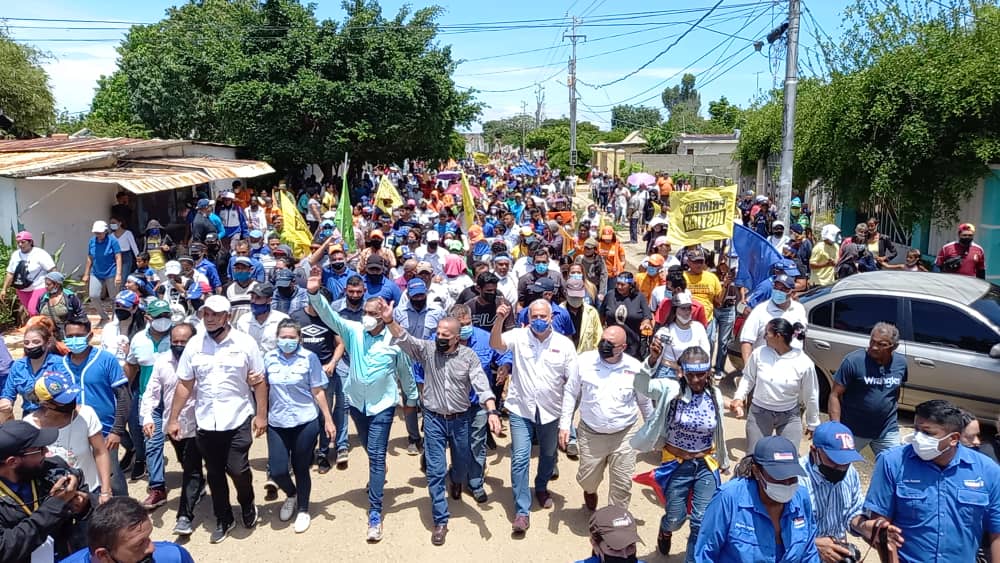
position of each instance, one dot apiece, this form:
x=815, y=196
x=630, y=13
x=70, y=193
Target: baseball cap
x=830, y=232
x=24, y=235
x=661, y=240
x=203, y=203
x=796, y=202
x=416, y=286
x=787, y=266
x=377, y=233
x=966, y=228
x=126, y=298
x=255, y=234
x=99, y=227
x=433, y=236
x=284, y=278
x=779, y=458
x=158, y=307
x=374, y=261
x=696, y=255
x=541, y=285
x=454, y=245
x=575, y=288
x=17, y=436
x=526, y=232
x=244, y=260
x=797, y=228
x=655, y=260
x=216, y=303
x=56, y=386
x=172, y=268
x=784, y=280
x=681, y=299
x=227, y=195
x=837, y=442
x=590, y=243
x=424, y=266
x=264, y=289
x=616, y=529
x=55, y=277
x=778, y=223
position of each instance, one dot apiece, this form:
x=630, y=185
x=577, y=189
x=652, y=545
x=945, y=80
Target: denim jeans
x=878, y=445
x=412, y=421
x=337, y=403
x=154, y=451
x=710, y=329
x=692, y=478
x=724, y=320
x=440, y=433
x=478, y=429
x=374, y=434
x=633, y=230
x=293, y=444
x=521, y=430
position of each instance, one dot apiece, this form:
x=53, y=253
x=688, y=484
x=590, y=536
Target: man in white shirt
x=432, y=252
x=228, y=367
x=609, y=410
x=779, y=305
x=543, y=361
x=262, y=322
x=507, y=285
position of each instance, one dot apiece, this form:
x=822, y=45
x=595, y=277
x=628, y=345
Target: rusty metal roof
x=87, y=144
x=22, y=164
x=216, y=168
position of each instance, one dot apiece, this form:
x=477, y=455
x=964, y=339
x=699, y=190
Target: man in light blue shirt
x=370, y=387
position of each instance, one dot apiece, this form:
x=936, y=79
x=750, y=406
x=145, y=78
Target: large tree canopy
x=629, y=118
x=25, y=96
x=291, y=89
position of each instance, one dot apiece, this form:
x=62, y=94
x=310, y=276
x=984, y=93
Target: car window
x=943, y=325
x=860, y=314
x=821, y=315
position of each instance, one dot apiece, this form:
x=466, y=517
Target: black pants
x=227, y=452
x=192, y=477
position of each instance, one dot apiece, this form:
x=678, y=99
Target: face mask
x=926, y=446
x=369, y=323
x=241, y=277
x=576, y=277
x=256, y=245
x=215, y=333
x=965, y=241
x=684, y=317
x=338, y=266
x=465, y=332
x=375, y=243
x=177, y=350
x=542, y=268
x=260, y=308
x=574, y=302
x=76, y=344
x=831, y=474
x=652, y=271
x=374, y=278
x=153, y=232
x=540, y=326
x=779, y=297
x=286, y=291
x=432, y=246
x=114, y=226
x=122, y=314
x=605, y=349
x=288, y=345
x=490, y=298
x=777, y=492
x=34, y=352
x=162, y=325
x=442, y=344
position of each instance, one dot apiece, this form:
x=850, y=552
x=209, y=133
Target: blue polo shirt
x=869, y=402
x=98, y=375
x=206, y=267
x=942, y=511
x=21, y=379
x=337, y=282
x=561, y=321
x=163, y=552
x=386, y=289
x=737, y=528
x=102, y=254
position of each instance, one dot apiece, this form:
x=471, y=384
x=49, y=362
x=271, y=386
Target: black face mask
x=286, y=291
x=338, y=266
x=965, y=241
x=614, y=559
x=122, y=314
x=177, y=351
x=374, y=278
x=67, y=408
x=432, y=246
x=196, y=256
x=353, y=302
x=490, y=298
x=419, y=304
x=34, y=352
x=831, y=474
x=605, y=349
x=442, y=344
x=214, y=333
x=375, y=243
x=530, y=297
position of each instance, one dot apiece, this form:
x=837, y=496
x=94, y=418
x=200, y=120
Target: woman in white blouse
x=126, y=241
x=782, y=378
x=679, y=333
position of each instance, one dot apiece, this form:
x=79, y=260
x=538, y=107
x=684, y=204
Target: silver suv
x=949, y=331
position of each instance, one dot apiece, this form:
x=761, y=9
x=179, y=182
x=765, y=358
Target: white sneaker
x=288, y=509
x=302, y=522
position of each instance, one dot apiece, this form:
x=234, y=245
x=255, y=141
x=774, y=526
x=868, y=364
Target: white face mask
x=778, y=492
x=926, y=446
x=162, y=325
x=369, y=323
x=684, y=318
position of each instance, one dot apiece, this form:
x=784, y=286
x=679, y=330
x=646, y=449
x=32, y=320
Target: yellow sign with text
x=701, y=215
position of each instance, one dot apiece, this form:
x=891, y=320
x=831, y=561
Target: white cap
x=433, y=236
x=830, y=232
x=172, y=268
x=778, y=223
x=216, y=303
x=99, y=227
x=229, y=195
x=681, y=298
x=330, y=215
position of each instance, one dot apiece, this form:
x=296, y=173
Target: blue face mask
x=652, y=271
x=260, y=308
x=241, y=276
x=529, y=240
x=778, y=297
x=153, y=232
x=542, y=268
x=76, y=344
x=288, y=345
x=465, y=332
x=540, y=326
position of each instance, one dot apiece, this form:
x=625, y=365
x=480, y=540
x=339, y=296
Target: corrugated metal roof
x=22, y=164
x=217, y=168
x=88, y=144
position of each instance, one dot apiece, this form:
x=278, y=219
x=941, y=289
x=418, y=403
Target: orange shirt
x=614, y=256
x=243, y=197
x=666, y=185
x=645, y=283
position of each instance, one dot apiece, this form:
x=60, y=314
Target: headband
x=696, y=367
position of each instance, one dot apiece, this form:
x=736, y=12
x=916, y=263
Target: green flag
x=345, y=219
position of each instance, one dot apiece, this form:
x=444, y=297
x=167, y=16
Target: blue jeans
x=692, y=478
x=724, y=320
x=337, y=403
x=374, y=434
x=440, y=433
x=478, y=429
x=710, y=329
x=878, y=445
x=412, y=421
x=521, y=430
x=633, y=230
x=154, y=451
x=293, y=444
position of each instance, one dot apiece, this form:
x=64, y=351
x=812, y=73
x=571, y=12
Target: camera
x=855, y=555
x=56, y=472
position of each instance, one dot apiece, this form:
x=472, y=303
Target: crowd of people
x=516, y=317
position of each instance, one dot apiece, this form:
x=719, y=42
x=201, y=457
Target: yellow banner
x=480, y=158
x=295, y=232
x=387, y=197
x=701, y=215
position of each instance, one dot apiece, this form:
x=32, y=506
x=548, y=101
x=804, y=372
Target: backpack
x=20, y=279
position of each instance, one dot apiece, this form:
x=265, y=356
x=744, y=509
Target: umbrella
x=640, y=178
x=456, y=189
x=448, y=175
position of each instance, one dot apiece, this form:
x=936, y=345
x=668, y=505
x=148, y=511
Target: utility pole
x=539, y=103
x=788, y=133
x=524, y=123
x=571, y=82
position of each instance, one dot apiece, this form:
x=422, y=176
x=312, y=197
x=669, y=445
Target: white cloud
x=74, y=70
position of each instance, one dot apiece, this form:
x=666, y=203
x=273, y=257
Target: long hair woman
x=39, y=357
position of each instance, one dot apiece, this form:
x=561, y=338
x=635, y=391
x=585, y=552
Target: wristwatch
x=493, y=412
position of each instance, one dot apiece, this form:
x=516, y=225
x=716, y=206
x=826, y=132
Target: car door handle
x=821, y=344
x=924, y=362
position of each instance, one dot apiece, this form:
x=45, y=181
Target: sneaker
x=480, y=496
x=157, y=498
x=126, y=462
x=251, y=517
x=521, y=524
x=412, y=449
x=183, y=526
x=544, y=499
x=270, y=490
x=323, y=465
x=302, y=522
x=572, y=450
x=342, y=459
x=288, y=509
x=374, y=528
x=221, y=531
x=138, y=471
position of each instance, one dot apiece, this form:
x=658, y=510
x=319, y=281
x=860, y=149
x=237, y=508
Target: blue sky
x=621, y=38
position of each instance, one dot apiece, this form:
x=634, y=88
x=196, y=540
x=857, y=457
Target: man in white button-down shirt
x=543, y=361
x=609, y=410
x=229, y=368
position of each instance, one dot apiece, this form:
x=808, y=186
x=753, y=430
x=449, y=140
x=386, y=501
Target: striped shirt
x=833, y=504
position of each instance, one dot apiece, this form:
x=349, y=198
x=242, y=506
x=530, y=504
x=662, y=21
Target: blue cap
x=57, y=387
x=416, y=286
x=255, y=234
x=203, y=203
x=784, y=280
x=127, y=299
x=543, y=284
x=284, y=278
x=788, y=267
x=501, y=258
x=242, y=260
x=796, y=202
x=837, y=442
x=778, y=457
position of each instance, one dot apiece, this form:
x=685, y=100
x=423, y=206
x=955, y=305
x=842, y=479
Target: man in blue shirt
x=544, y=288
x=336, y=272
x=377, y=284
x=613, y=536
x=764, y=502
x=206, y=267
x=119, y=531
x=288, y=296
x=935, y=496
x=103, y=272
x=242, y=250
x=866, y=390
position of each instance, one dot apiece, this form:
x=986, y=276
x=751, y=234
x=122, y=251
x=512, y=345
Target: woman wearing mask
x=296, y=386
x=26, y=271
x=126, y=241
x=80, y=443
x=38, y=359
x=456, y=278
x=624, y=306
x=687, y=427
x=576, y=273
x=679, y=333
x=59, y=303
x=782, y=378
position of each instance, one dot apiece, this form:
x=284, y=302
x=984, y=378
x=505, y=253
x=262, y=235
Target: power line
x=532, y=85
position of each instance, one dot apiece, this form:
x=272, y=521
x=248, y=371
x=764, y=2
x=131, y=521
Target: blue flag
x=756, y=257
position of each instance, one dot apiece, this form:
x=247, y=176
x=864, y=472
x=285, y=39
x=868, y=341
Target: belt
x=452, y=416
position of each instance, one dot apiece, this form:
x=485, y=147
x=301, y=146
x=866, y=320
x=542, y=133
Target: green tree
x=724, y=116
x=111, y=112
x=683, y=97
x=457, y=149
x=507, y=131
x=630, y=118
x=25, y=96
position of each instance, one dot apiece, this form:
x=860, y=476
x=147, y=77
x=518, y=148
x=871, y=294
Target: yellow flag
x=480, y=158
x=387, y=197
x=701, y=215
x=295, y=232
x=468, y=204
